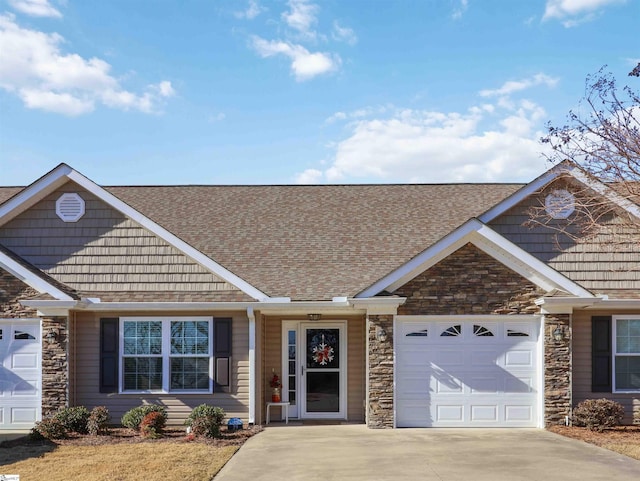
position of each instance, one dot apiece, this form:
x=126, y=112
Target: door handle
x=302, y=369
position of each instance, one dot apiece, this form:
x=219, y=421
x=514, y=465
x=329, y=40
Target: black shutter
x=222, y=337
x=601, y=354
x=109, y=340
x=222, y=350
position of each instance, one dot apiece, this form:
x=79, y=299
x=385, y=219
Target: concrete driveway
x=353, y=452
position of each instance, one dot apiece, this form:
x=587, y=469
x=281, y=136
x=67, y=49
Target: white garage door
x=467, y=373
x=20, y=374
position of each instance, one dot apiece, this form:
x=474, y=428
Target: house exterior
x=390, y=305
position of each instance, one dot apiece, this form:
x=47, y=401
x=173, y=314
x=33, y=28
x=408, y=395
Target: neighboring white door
x=483, y=372
x=20, y=374
x=314, y=361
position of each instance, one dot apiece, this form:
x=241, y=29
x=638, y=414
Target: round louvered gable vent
x=70, y=207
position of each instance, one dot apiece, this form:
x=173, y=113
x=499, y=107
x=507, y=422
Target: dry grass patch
x=622, y=439
x=125, y=462
x=122, y=455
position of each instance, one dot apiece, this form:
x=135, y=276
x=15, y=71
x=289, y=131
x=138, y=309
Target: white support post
x=252, y=365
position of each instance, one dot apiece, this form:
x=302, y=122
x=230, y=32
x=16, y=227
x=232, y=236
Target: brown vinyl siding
x=272, y=352
x=104, y=251
x=581, y=349
x=600, y=264
x=85, y=351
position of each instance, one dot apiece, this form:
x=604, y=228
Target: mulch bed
x=617, y=435
x=129, y=436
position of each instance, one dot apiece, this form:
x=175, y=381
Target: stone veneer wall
x=380, y=375
x=557, y=370
x=469, y=282
x=55, y=373
x=55, y=366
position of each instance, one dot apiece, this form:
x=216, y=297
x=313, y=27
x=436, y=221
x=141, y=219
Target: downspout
x=252, y=365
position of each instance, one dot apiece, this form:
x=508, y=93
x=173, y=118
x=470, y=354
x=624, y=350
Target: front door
x=315, y=355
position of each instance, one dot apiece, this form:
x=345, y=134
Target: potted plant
x=275, y=386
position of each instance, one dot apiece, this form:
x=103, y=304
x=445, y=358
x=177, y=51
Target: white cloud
x=35, y=69
x=35, y=8
x=490, y=142
x=304, y=64
x=460, y=9
x=576, y=12
x=252, y=11
x=219, y=117
x=301, y=17
x=518, y=85
x=343, y=34
x=309, y=176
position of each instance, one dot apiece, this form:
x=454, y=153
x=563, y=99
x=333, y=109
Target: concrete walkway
x=353, y=452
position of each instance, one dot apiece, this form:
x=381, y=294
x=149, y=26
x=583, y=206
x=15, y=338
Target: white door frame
x=299, y=408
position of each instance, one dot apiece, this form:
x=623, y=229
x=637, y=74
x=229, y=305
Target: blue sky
x=296, y=91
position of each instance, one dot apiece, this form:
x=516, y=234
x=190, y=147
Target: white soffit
x=490, y=242
x=31, y=279
x=63, y=173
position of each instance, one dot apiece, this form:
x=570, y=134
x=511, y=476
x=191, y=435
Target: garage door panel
x=449, y=413
x=481, y=413
x=479, y=374
x=515, y=413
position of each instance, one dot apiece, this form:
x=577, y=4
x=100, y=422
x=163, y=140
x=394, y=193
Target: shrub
x=98, y=422
x=598, y=414
x=134, y=417
x=206, y=426
x=153, y=424
x=206, y=420
x=206, y=410
x=74, y=419
x=51, y=428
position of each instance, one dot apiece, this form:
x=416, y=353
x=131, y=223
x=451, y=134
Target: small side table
x=285, y=408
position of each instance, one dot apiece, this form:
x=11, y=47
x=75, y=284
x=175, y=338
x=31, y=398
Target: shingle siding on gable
x=105, y=252
x=468, y=282
x=598, y=264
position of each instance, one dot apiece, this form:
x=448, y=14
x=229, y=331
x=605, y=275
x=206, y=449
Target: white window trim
x=166, y=355
x=614, y=350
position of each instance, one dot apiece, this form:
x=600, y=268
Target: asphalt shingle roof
x=312, y=242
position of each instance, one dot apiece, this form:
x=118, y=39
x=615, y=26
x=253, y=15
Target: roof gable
x=62, y=174
x=486, y=239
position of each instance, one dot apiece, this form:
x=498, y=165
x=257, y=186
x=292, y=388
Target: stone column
x=557, y=369
x=55, y=365
x=380, y=373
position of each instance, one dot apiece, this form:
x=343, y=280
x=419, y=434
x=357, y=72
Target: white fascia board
x=517, y=197
x=164, y=234
x=525, y=264
x=34, y=193
x=556, y=305
x=489, y=241
x=166, y=306
x=25, y=275
x=50, y=308
x=378, y=305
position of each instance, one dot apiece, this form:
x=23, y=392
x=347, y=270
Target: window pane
x=189, y=337
x=627, y=372
x=142, y=373
x=628, y=336
x=142, y=337
x=190, y=373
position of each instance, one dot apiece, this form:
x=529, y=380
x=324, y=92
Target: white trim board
x=490, y=242
x=63, y=173
x=31, y=279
